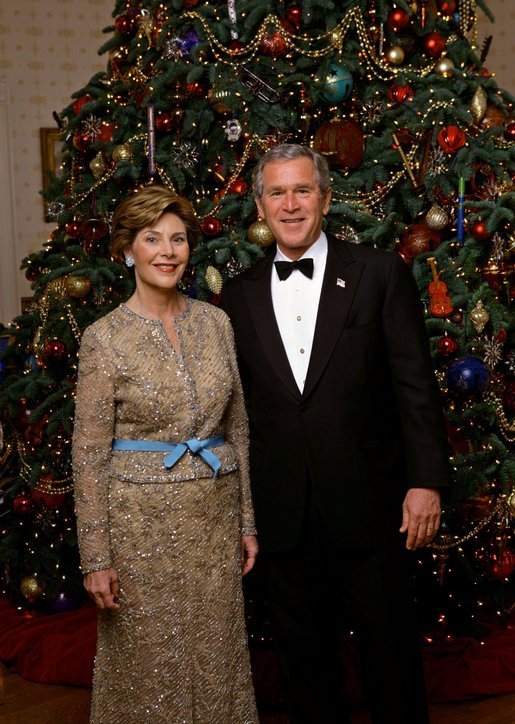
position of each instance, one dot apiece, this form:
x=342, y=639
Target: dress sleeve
x=237, y=435
x=92, y=441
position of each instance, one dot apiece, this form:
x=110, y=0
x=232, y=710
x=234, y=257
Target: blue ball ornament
x=467, y=375
x=337, y=84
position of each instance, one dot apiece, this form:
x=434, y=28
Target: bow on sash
x=176, y=450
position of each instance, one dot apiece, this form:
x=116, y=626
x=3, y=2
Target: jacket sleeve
x=91, y=451
x=237, y=434
x=416, y=389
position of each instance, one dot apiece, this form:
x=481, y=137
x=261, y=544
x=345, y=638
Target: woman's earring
x=129, y=261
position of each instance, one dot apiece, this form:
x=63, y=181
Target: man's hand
x=102, y=587
x=249, y=551
x=420, y=516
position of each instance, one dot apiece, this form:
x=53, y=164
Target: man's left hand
x=420, y=516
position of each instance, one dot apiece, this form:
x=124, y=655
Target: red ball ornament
x=502, y=564
x=447, y=345
x=164, y=122
x=195, y=90
x=239, y=186
x=188, y=4
x=54, y=352
x=106, y=132
x=274, y=44
x=419, y=238
x=451, y=139
x=457, y=317
x=509, y=133
x=94, y=229
x=398, y=19
x=236, y=44
x=294, y=16
x=479, y=231
x=81, y=141
x=400, y=93
x=434, y=44
x=447, y=7
x=124, y=24
x=342, y=142
x=211, y=226
x=77, y=105
x=22, y=504
x=32, y=273
x=48, y=500
x=73, y=229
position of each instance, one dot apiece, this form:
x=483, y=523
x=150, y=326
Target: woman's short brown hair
x=142, y=209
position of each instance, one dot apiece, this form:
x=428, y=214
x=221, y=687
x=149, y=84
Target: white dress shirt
x=295, y=303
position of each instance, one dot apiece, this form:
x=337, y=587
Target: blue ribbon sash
x=176, y=450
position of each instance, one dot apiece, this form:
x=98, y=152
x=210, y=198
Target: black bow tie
x=285, y=268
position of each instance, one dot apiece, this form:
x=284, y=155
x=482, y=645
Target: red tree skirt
x=59, y=649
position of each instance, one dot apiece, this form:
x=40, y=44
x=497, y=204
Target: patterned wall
x=48, y=50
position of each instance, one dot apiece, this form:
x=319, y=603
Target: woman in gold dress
x=165, y=519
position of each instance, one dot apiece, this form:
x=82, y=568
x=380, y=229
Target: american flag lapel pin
x=340, y=283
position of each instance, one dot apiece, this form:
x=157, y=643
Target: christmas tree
x=420, y=143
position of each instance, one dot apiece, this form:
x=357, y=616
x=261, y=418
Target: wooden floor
x=23, y=702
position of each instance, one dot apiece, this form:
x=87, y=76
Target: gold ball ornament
x=259, y=233
x=478, y=104
x=122, y=153
x=30, y=588
x=97, y=166
x=213, y=280
x=394, y=55
x=218, y=99
x=444, y=67
x=76, y=286
x=479, y=317
x=437, y=218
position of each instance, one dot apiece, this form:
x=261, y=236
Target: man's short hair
x=290, y=152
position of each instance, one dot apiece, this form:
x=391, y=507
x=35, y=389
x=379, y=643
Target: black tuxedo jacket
x=369, y=423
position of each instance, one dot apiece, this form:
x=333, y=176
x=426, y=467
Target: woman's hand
x=249, y=551
x=102, y=587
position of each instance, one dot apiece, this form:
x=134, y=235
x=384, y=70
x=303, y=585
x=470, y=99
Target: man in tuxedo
x=347, y=445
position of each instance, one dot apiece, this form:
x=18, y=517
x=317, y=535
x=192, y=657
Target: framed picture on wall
x=51, y=157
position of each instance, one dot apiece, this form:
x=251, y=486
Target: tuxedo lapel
x=261, y=309
x=341, y=279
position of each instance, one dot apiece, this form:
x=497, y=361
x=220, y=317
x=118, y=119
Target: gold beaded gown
x=176, y=650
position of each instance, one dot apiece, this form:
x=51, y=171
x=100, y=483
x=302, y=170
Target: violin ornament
x=440, y=304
